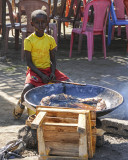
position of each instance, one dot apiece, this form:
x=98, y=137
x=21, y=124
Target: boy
x=40, y=56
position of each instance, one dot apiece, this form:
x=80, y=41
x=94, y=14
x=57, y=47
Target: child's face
x=40, y=23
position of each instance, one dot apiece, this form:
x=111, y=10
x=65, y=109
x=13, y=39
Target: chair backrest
x=119, y=9
x=30, y=6
x=101, y=9
x=10, y=13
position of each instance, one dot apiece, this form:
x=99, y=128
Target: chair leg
x=113, y=31
x=59, y=29
x=80, y=42
x=90, y=45
x=53, y=26
x=64, y=28
x=104, y=44
x=71, y=44
x=109, y=33
x=16, y=39
x=93, y=46
x=6, y=39
x=22, y=47
x=127, y=32
x=127, y=47
x=119, y=31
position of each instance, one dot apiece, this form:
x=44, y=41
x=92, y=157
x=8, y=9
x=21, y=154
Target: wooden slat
x=63, y=110
x=100, y=132
x=63, y=154
x=63, y=147
x=60, y=128
x=61, y=124
x=89, y=136
x=41, y=142
x=38, y=120
x=63, y=115
x=60, y=120
x=81, y=123
x=60, y=157
x=83, y=152
x=58, y=114
x=93, y=115
x=29, y=106
x=93, y=123
x=64, y=137
x=94, y=143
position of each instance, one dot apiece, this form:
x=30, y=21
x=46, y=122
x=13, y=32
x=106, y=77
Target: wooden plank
x=81, y=123
x=83, y=151
x=94, y=143
x=41, y=142
x=93, y=115
x=94, y=131
x=63, y=147
x=64, y=137
x=63, y=154
x=29, y=106
x=59, y=128
x=93, y=127
x=100, y=132
x=38, y=120
x=63, y=115
x=89, y=136
x=59, y=157
x=61, y=124
x=63, y=110
x=60, y=120
x=93, y=123
x=58, y=114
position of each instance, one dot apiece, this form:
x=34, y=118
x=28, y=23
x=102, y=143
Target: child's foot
x=18, y=110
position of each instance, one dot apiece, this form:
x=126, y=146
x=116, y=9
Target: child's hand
x=52, y=76
x=45, y=78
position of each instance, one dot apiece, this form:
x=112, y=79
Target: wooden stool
x=65, y=132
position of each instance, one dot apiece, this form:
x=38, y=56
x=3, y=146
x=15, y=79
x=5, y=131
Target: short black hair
x=38, y=12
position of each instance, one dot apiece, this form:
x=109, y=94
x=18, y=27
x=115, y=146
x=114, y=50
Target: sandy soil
x=111, y=73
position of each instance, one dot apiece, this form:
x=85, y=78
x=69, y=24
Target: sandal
x=18, y=110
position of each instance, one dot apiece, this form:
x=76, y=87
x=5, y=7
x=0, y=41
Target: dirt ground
x=111, y=73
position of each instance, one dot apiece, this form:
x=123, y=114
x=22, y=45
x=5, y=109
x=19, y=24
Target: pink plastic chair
x=120, y=14
x=101, y=9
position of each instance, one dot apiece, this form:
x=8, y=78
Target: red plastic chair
x=12, y=25
x=29, y=6
x=101, y=9
x=120, y=14
x=69, y=18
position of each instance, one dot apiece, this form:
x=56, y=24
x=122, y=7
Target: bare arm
x=53, y=63
x=30, y=64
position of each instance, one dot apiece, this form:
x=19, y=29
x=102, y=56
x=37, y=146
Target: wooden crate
x=65, y=132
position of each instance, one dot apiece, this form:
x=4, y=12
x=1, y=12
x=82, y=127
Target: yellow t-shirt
x=40, y=48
